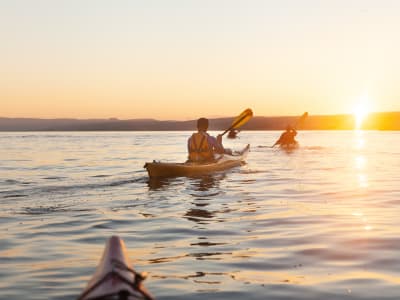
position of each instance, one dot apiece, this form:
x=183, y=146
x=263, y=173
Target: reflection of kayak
x=223, y=162
x=114, y=279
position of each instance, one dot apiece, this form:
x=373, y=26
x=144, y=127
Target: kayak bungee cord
x=121, y=295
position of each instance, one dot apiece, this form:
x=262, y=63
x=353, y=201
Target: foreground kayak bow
x=114, y=279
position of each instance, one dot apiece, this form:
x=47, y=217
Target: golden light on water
x=298, y=277
x=362, y=180
x=360, y=162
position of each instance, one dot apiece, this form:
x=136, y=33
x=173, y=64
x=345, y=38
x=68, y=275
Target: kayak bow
x=223, y=162
x=114, y=279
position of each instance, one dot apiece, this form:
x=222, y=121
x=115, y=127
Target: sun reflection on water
x=360, y=162
x=362, y=180
x=359, y=139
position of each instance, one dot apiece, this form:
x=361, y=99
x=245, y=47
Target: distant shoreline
x=375, y=121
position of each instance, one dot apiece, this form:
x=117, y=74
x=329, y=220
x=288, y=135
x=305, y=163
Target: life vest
x=199, y=149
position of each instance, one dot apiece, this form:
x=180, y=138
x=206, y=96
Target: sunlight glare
x=360, y=162
x=361, y=110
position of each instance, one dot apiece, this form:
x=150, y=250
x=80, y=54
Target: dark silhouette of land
x=375, y=121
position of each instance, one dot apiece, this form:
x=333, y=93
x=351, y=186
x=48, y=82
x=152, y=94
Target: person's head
x=202, y=124
x=289, y=128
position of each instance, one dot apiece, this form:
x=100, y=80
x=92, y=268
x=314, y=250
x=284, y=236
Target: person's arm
x=214, y=143
x=279, y=141
x=188, y=144
x=219, y=140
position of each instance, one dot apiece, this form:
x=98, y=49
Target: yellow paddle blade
x=242, y=119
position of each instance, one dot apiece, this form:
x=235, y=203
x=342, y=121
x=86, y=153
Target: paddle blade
x=305, y=115
x=242, y=119
x=301, y=119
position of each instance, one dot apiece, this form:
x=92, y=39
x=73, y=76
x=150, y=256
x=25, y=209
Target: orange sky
x=187, y=59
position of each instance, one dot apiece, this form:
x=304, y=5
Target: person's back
x=202, y=146
x=199, y=149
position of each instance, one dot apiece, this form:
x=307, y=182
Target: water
x=320, y=222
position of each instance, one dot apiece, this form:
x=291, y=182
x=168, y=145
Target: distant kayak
x=223, y=162
x=233, y=134
x=289, y=147
x=114, y=278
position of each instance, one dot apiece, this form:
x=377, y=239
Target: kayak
x=114, y=279
x=290, y=146
x=222, y=162
x=233, y=134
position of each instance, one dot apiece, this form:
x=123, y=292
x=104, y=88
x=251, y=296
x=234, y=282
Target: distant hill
x=375, y=121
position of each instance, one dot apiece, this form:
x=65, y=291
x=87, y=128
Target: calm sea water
x=321, y=222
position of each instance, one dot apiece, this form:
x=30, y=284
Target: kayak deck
x=224, y=162
x=114, y=279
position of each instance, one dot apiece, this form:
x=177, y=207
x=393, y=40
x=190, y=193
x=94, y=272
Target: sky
x=182, y=59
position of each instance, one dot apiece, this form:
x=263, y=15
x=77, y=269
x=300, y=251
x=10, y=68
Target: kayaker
x=233, y=133
x=287, y=138
x=202, y=146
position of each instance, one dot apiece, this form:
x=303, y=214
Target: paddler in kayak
x=202, y=146
x=287, y=138
x=233, y=134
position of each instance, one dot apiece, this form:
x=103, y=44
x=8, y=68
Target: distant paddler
x=287, y=138
x=233, y=134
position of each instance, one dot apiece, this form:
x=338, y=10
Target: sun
x=360, y=113
x=361, y=110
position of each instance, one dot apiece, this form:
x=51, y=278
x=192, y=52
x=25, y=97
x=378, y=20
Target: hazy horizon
x=195, y=118
x=372, y=121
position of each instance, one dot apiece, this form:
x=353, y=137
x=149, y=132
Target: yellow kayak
x=223, y=162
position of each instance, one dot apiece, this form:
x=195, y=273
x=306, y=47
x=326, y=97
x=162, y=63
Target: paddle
x=300, y=120
x=240, y=120
x=295, y=125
